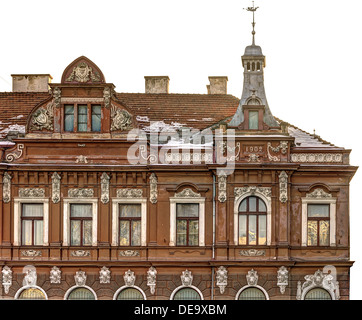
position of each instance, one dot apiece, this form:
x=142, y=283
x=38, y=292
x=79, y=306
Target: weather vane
x=252, y=9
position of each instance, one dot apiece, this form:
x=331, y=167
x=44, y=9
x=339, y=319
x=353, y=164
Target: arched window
x=130, y=294
x=31, y=294
x=81, y=294
x=252, y=293
x=317, y=294
x=186, y=294
x=252, y=222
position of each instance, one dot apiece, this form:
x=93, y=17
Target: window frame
x=187, y=287
x=129, y=287
x=188, y=220
x=250, y=286
x=76, y=115
x=69, y=291
x=130, y=220
x=22, y=289
x=318, y=219
x=82, y=220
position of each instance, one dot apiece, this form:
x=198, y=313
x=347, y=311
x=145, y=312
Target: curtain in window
x=81, y=224
x=130, y=224
x=187, y=224
x=32, y=224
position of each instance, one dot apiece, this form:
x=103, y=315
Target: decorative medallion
x=222, y=180
x=80, y=253
x=319, y=194
x=153, y=188
x=252, y=253
x=283, y=187
x=283, y=276
x=7, y=278
x=151, y=279
x=129, y=193
x=129, y=253
x=16, y=154
x=129, y=278
x=105, y=188
x=83, y=73
x=31, y=192
x=121, y=119
x=42, y=118
x=80, y=193
x=222, y=278
x=254, y=157
x=55, y=275
x=104, y=275
x=80, y=278
x=55, y=187
x=252, y=278
x=187, y=193
x=186, y=278
x=240, y=191
x=6, y=187
x=31, y=253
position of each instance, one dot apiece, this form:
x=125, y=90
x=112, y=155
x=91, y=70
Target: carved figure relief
x=43, y=117
x=7, y=275
x=186, y=278
x=121, y=119
x=83, y=73
x=282, y=277
x=30, y=277
x=129, y=278
x=222, y=278
x=105, y=275
x=80, y=278
x=107, y=95
x=252, y=277
x=151, y=279
x=55, y=275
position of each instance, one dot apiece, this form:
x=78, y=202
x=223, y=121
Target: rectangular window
x=32, y=224
x=187, y=224
x=69, y=117
x=253, y=120
x=82, y=118
x=129, y=224
x=96, y=118
x=318, y=225
x=81, y=224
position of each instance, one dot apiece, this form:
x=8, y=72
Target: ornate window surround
x=66, y=217
x=322, y=198
x=252, y=191
x=184, y=286
x=115, y=218
x=17, y=294
x=252, y=286
x=186, y=197
x=17, y=218
x=127, y=287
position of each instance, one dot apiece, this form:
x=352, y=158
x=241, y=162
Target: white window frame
x=17, y=218
x=267, y=202
x=197, y=200
x=66, y=218
x=115, y=218
x=18, y=293
x=332, y=218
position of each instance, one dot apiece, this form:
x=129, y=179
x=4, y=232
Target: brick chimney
x=156, y=84
x=218, y=85
x=31, y=82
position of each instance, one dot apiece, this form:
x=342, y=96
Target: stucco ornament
x=121, y=119
x=151, y=279
x=240, y=191
x=107, y=95
x=283, y=147
x=283, y=187
x=105, y=188
x=319, y=194
x=129, y=193
x=129, y=278
x=83, y=73
x=55, y=187
x=153, y=188
x=186, y=278
x=80, y=193
x=222, y=186
x=129, y=253
x=282, y=277
x=6, y=187
x=55, y=275
x=10, y=157
x=105, y=275
x=42, y=118
x=30, y=277
x=80, y=278
x=31, y=192
x=7, y=278
x=252, y=277
x=222, y=278
x=57, y=94
x=187, y=193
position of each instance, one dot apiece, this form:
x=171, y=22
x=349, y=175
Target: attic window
x=253, y=120
x=82, y=118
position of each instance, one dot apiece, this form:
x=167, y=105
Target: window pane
x=317, y=294
x=252, y=229
x=252, y=294
x=38, y=232
x=96, y=118
x=262, y=230
x=312, y=233
x=82, y=118
x=253, y=119
x=27, y=232
x=318, y=210
x=81, y=294
x=32, y=210
x=187, y=294
x=262, y=206
x=130, y=210
x=130, y=294
x=75, y=232
x=32, y=294
x=87, y=232
x=124, y=233
x=81, y=210
x=187, y=209
x=181, y=232
x=242, y=229
x=136, y=233
x=194, y=232
x=69, y=118
x=252, y=204
x=242, y=207
x=324, y=233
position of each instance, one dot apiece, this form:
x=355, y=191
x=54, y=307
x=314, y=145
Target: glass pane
x=31, y=294
x=242, y=207
x=87, y=232
x=81, y=210
x=317, y=294
x=252, y=294
x=252, y=204
x=181, y=232
x=32, y=210
x=262, y=206
x=81, y=294
x=124, y=233
x=82, y=118
x=187, y=294
x=253, y=119
x=312, y=233
x=136, y=233
x=69, y=118
x=262, y=230
x=318, y=210
x=187, y=209
x=75, y=232
x=194, y=232
x=130, y=294
x=96, y=118
x=38, y=232
x=129, y=210
x=27, y=233
x=252, y=229
x=242, y=229
x=324, y=233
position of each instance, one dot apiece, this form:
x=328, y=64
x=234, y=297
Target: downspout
x=213, y=233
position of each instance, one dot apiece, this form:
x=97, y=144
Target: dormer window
x=253, y=120
x=82, y=118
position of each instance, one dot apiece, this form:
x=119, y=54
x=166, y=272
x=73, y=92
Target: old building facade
x=159, y=196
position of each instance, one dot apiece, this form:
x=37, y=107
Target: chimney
x=156, y=84
x=218, y=85
x=31, y=82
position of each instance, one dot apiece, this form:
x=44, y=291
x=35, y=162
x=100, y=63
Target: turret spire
x=252, y=9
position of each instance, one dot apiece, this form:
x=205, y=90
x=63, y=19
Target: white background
x=312, y=48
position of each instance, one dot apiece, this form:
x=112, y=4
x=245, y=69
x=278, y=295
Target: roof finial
x=252, y=9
